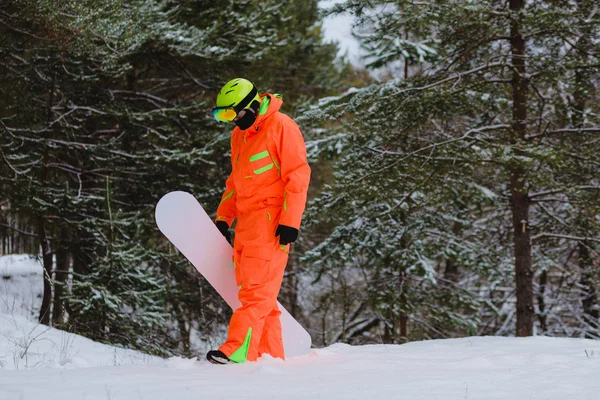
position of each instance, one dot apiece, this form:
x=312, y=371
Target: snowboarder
x=266, y=192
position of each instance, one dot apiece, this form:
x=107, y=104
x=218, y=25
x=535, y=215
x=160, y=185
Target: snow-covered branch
x=562, y=190
x=566, y=130
x=568, y=237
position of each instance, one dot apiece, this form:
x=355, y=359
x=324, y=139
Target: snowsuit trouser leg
x=260, y=262
x=271, y=341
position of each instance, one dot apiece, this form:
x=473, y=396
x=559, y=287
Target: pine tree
x=452, y=174
x=104, y=108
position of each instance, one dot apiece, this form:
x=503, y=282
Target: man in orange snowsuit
x=266, y=192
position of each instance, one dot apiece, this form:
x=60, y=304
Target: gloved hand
x=286, y=234
x=224, y=229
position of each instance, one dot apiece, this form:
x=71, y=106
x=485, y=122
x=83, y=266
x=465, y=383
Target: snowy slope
x=29, y=345
x=25, y=344
x=471, y=368
x=38, y=362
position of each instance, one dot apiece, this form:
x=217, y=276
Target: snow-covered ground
x=26, y=345
x=38, y=362
x=21, y=285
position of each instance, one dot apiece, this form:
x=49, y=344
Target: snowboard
x=184, y=222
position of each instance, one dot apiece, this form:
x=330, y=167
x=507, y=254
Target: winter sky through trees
x=339, y=28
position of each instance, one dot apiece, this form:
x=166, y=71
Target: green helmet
x=238, y=93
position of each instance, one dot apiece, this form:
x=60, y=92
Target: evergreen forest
x=455, y=172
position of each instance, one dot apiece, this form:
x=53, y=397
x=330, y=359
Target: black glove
x=286, y=234
x=224, y=228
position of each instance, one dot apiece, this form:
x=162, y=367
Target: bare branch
x=559, y=131
x=19, y=231
x=554, y=191
x=568, y=237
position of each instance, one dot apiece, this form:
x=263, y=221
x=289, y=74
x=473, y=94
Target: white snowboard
x=185, y=223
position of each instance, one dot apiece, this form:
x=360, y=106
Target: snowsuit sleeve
x=295, y=173
x=227, y=210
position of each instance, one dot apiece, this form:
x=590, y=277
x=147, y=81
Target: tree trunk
x=452, y=271
x=522, y=251
x=60, y=278
x=401, y=323
x=582, y=96
x=518, y=181
x=44, y=317
x=184, y=332
x=403, y=328
x=542, y=317
x=591, y=314
x=42, y=226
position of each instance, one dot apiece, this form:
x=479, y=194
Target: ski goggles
x=228, y=113
x=224, y=114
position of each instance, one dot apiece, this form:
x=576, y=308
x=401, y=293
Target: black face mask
x=248, y=119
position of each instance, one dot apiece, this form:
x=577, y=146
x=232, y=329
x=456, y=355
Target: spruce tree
x=104, y=108
x=451, y=182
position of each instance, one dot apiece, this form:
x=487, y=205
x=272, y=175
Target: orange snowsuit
x=267, y=187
